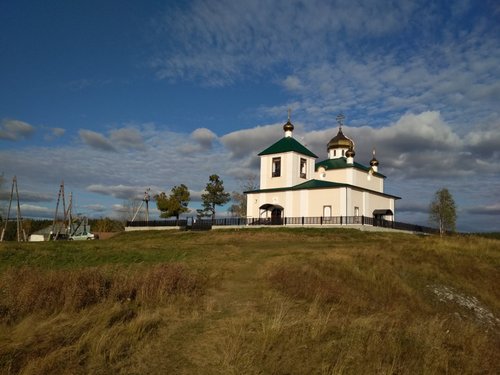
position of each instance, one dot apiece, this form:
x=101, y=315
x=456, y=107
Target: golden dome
x=288, y=126
x=340, y=141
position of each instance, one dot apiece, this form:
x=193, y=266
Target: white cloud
x=96, y=207
x=26, y=196
x=204, y=138
x=96, y=140
x=35, y=211
x=129, y=138
x=292, y=83
x=53, y=133
x=244, y=143
x=493, y=210
x=15, y=130
x=221, y=41
x=118, y=191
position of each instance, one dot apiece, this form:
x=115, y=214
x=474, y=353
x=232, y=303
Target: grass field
x=256, y=301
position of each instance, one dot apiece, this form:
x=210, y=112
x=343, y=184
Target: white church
x=293, y=184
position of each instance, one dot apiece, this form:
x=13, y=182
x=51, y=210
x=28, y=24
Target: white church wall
x=365, y=180
x=289, y=173
x=377, y=202
x=357, y=200
x=319, y=198
x=352, y=176
x=336, y=175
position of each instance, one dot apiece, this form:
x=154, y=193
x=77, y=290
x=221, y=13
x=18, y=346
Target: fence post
x=321, y=220
x=302, y=220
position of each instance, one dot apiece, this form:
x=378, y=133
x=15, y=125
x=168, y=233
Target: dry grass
x=252, y=302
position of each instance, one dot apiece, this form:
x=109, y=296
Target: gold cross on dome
x=340, y=120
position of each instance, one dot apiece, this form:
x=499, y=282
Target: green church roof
x=341, y=163
x=319, y=184
x=287, y=144
x=316, y=184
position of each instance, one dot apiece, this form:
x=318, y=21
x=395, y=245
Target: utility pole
x=146, y=200
x=21, y=234
x=55, y=233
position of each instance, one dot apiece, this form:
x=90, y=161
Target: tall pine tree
x=214, y=196
x=174, y=204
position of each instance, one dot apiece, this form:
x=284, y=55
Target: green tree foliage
x=442, y=211
x=174, y=204
x=214, y=196
x=239, y=208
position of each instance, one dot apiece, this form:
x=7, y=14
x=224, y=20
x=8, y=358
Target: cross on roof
x=340, y=120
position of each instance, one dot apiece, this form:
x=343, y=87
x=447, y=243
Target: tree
x=174, y=204
x=239, y=209
x=214, y=196
x=442, y=211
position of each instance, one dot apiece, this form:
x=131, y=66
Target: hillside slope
x=256, y=301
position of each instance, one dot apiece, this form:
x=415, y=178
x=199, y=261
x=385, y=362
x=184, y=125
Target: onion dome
x=340, y=141
x=288, y=127
x=374, y=161
x=350, y=153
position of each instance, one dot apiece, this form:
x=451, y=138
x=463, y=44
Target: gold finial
x=373, y=153
x=289, y=113
x=340, y=120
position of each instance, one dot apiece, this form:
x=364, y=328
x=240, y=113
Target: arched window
x=276, y=167
x=303, y=168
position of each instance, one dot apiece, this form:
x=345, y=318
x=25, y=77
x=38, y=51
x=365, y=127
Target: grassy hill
x=256, y=301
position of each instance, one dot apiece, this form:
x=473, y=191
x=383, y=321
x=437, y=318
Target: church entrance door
x=276, y=217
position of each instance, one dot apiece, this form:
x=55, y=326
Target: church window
x=303, y=168
x=327, y=211
x=334, y=152
x=276, y=167
x=356, y=211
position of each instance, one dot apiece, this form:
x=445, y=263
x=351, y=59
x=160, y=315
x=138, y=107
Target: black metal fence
x=157, y=223
x=319, y=220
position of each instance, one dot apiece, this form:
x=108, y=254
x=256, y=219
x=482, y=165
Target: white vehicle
x=82, y=236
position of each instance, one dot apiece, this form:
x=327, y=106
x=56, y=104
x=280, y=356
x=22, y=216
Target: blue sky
x=118, y=96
